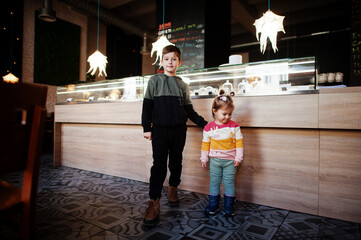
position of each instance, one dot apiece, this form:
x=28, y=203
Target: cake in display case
x=275, y=77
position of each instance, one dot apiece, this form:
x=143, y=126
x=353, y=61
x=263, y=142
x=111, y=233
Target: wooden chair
x=22, y=120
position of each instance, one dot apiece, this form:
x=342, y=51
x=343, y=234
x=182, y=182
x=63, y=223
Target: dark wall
x=328, y=40
x=123, y=52
x=56, y=52
x=11, y=37
x=355, y=48
x=331, y=51
x=218, y=32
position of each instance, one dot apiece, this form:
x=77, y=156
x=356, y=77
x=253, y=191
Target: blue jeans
x=218, y=169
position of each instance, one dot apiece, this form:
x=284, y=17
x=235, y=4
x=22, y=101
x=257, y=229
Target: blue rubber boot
x=213, y=204
x=228, y=209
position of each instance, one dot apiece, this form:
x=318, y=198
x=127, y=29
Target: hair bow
x=223, y=98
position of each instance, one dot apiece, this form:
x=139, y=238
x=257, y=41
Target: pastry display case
x=124, y=90
x=284, y=76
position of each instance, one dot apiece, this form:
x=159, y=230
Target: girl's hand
x=204, y=165
x=236, y=164
x=148, y=135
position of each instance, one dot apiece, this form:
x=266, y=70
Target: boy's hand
x=148, y=135
x=204, y=165
x=236, y=164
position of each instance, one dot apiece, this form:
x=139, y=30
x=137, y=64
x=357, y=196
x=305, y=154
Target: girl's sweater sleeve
x=239, y=145
x=205, y=146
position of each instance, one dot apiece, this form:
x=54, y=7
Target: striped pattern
x=222, y=141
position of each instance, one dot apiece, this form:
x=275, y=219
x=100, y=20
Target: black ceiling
x=302, y=18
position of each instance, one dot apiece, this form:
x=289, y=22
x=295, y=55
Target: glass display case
x=124, y=90
x=283, y=76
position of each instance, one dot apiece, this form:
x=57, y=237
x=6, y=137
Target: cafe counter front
x=302, y=147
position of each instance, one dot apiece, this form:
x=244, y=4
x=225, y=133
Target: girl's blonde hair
x=222, y=101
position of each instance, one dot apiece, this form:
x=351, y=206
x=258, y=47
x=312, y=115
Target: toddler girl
x=222, y=145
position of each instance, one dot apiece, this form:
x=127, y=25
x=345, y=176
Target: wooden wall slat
x=118, y=150
x=113, y=113
x=340, y=174
x=340, y=110
x=276, y=171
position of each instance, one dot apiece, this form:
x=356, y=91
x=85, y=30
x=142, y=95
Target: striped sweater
x=222, y=141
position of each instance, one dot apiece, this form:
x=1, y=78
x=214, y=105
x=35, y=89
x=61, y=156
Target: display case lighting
x=250, y=75
x=240, y=76
x=85, y=88
x=95, y=90
x=99, y=84
x=302, y=62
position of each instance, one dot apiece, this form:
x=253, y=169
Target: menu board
x=356, y=43
x=184, y=25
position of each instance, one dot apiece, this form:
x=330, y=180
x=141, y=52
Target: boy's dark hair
x=171, y=48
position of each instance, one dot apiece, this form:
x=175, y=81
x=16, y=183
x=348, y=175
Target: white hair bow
x=223, y=98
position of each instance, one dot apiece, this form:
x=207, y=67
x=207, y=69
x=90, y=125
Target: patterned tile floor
x=78, y=204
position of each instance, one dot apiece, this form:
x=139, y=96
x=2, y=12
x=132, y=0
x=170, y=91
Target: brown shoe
x=173, y=199
x=152, y=213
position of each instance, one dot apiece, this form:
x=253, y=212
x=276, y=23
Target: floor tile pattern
x=78, y=204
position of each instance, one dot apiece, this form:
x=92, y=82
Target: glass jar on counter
x=243, y=86
x=203, y=91
x=227, y=87
x=211, y=90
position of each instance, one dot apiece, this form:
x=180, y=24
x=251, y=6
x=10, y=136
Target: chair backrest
x=21, y=124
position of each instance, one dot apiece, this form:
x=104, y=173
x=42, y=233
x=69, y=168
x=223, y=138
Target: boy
x=166, y=109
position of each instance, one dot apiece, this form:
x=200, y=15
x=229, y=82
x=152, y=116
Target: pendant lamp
x=268, y=26
x=97, y=60
x=10, y=78
x=162, y=42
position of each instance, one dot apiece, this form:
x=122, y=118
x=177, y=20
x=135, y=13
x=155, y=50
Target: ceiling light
x=160, y=43
x=144, y=49
x=47, y=13
x=97, y=60
x=158, y=47
x=10, y=78
x=268, y=26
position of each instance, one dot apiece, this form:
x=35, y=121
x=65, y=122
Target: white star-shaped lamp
x=10, y=78
x=97, y=61
x=269, y=25
x=158, y=47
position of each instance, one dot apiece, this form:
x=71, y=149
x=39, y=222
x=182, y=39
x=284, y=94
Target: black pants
x=166, y=141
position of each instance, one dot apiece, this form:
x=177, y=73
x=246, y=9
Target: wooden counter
x=302, y=152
